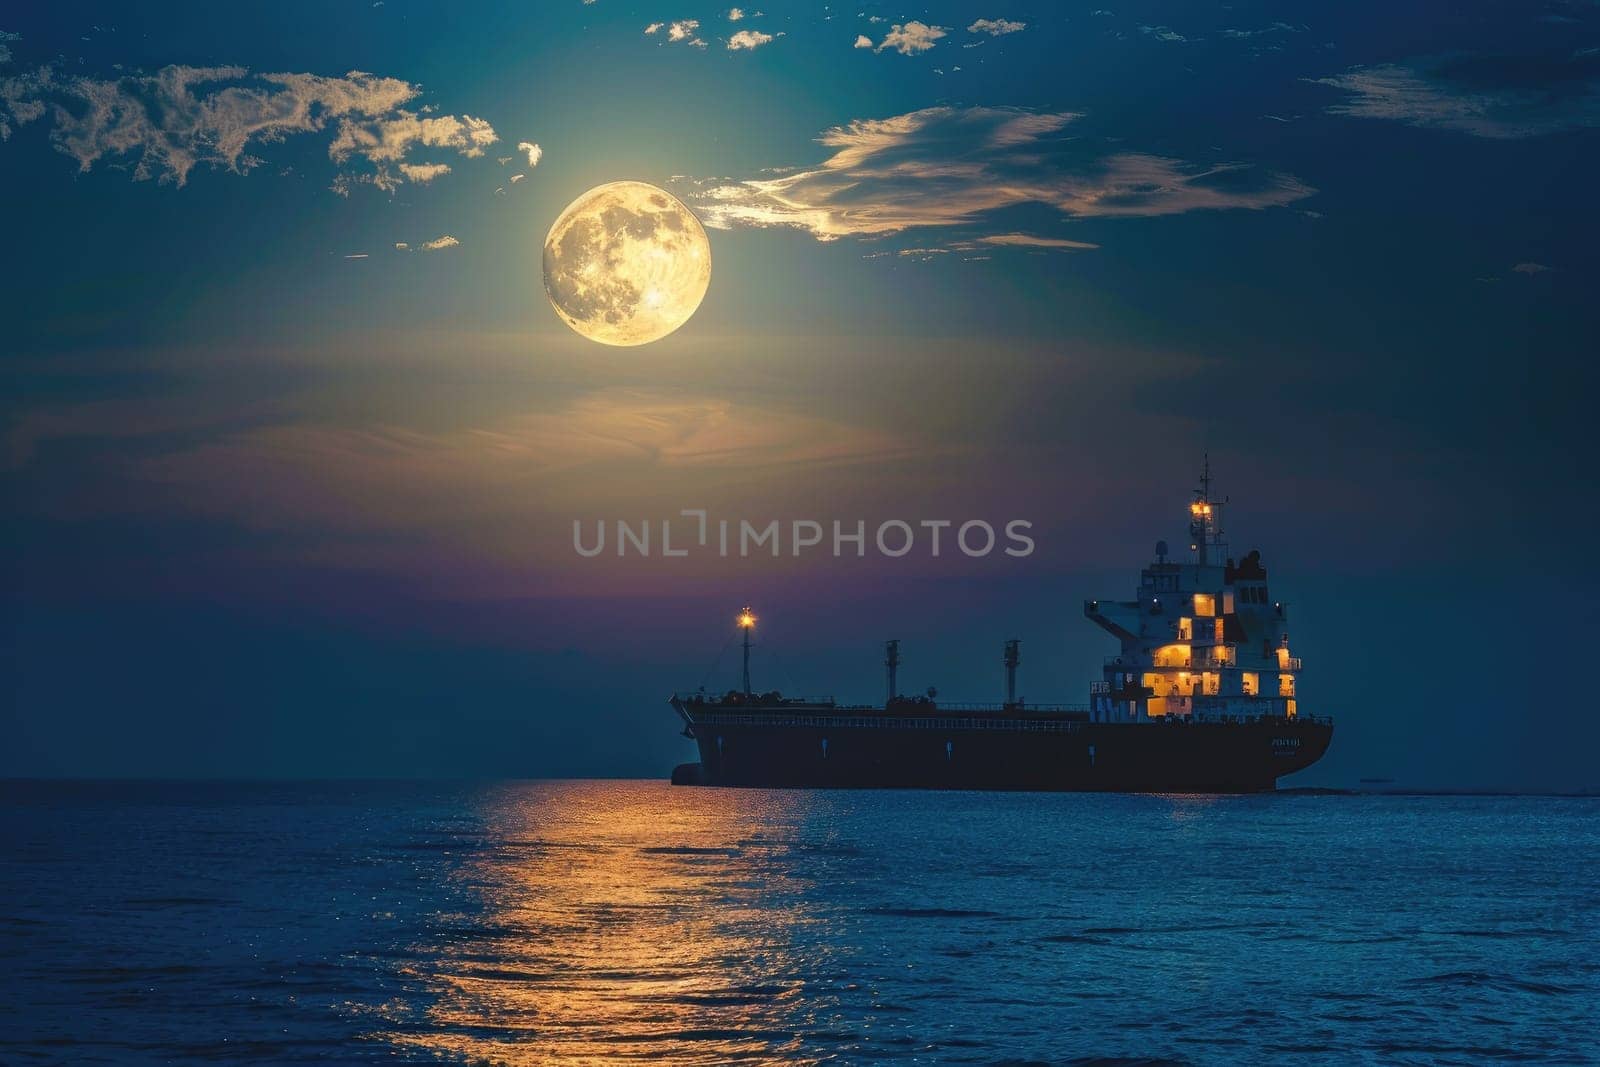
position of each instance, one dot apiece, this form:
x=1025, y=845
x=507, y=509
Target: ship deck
x=923, y=715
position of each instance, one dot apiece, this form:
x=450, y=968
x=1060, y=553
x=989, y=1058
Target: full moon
x=626, y=264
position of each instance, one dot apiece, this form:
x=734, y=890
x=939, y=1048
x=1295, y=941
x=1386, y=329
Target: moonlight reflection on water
x=590, y=922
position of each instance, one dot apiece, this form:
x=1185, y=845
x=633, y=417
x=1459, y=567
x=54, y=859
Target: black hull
x=1006, y=754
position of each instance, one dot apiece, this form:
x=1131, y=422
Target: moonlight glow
x=626, y=264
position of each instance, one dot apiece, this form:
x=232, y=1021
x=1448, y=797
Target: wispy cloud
x=1496, y=97
x=423, y=173
x=387, y=140
x=1028, y=240
x=680, y=31
x=1530, y=269
x=947, y=167
x=532, y=151
x=989, y=242
x=748, y=40
x=1163, y=33
x=862, y=41
x=997, y=27
x=183, y=117
x=525, y=472
x=912, y=37
x=1266, y=31
x=439, y=243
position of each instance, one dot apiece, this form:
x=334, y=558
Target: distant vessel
x=1201, y=698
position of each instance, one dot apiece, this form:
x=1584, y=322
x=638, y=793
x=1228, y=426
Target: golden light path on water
x=627, y=929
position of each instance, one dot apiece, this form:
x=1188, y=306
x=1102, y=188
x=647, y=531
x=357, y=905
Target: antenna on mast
x=1205, y=517
x=747, y=622
x=891, y=660
x=1013, y=657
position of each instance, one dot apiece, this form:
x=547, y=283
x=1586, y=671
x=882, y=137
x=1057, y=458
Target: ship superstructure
x=1200, y=698
x=1202, y=640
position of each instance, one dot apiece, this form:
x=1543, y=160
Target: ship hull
x=873, y=751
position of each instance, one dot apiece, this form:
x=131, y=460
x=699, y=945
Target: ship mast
x=1205, y=518
x=747, y=622
x=891, y=661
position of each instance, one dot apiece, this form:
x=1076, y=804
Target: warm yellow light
x=747, y=619
x=629, y=282
x=1172, y=656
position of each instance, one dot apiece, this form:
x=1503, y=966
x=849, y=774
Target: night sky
x=284, y=498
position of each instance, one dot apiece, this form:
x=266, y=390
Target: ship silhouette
x=1201, y=697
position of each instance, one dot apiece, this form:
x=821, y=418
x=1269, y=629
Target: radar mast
x=1205, y=518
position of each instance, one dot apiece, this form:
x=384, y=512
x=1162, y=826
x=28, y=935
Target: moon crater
x=626, y=264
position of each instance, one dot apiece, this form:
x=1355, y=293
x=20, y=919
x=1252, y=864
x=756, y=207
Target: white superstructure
x=1203, y=640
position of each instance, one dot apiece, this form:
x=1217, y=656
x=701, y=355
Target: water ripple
x=589, y=922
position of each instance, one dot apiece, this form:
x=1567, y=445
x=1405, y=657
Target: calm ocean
x=536, y=922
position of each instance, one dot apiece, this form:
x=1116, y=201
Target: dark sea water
x=592, y=922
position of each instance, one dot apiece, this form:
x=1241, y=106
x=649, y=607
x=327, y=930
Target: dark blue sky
x=283, y=498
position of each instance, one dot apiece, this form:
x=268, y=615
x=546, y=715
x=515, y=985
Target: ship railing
x=1004, y=723
x=1131, y=664
x=755, y=700
x=1289, y=663
x=1209, y=662
x=1043, y=709
x=860, y=717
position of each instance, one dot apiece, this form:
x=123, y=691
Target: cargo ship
x=1200, y=698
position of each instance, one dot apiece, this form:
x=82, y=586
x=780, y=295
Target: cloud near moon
x=948, y=167
x=181, y=117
